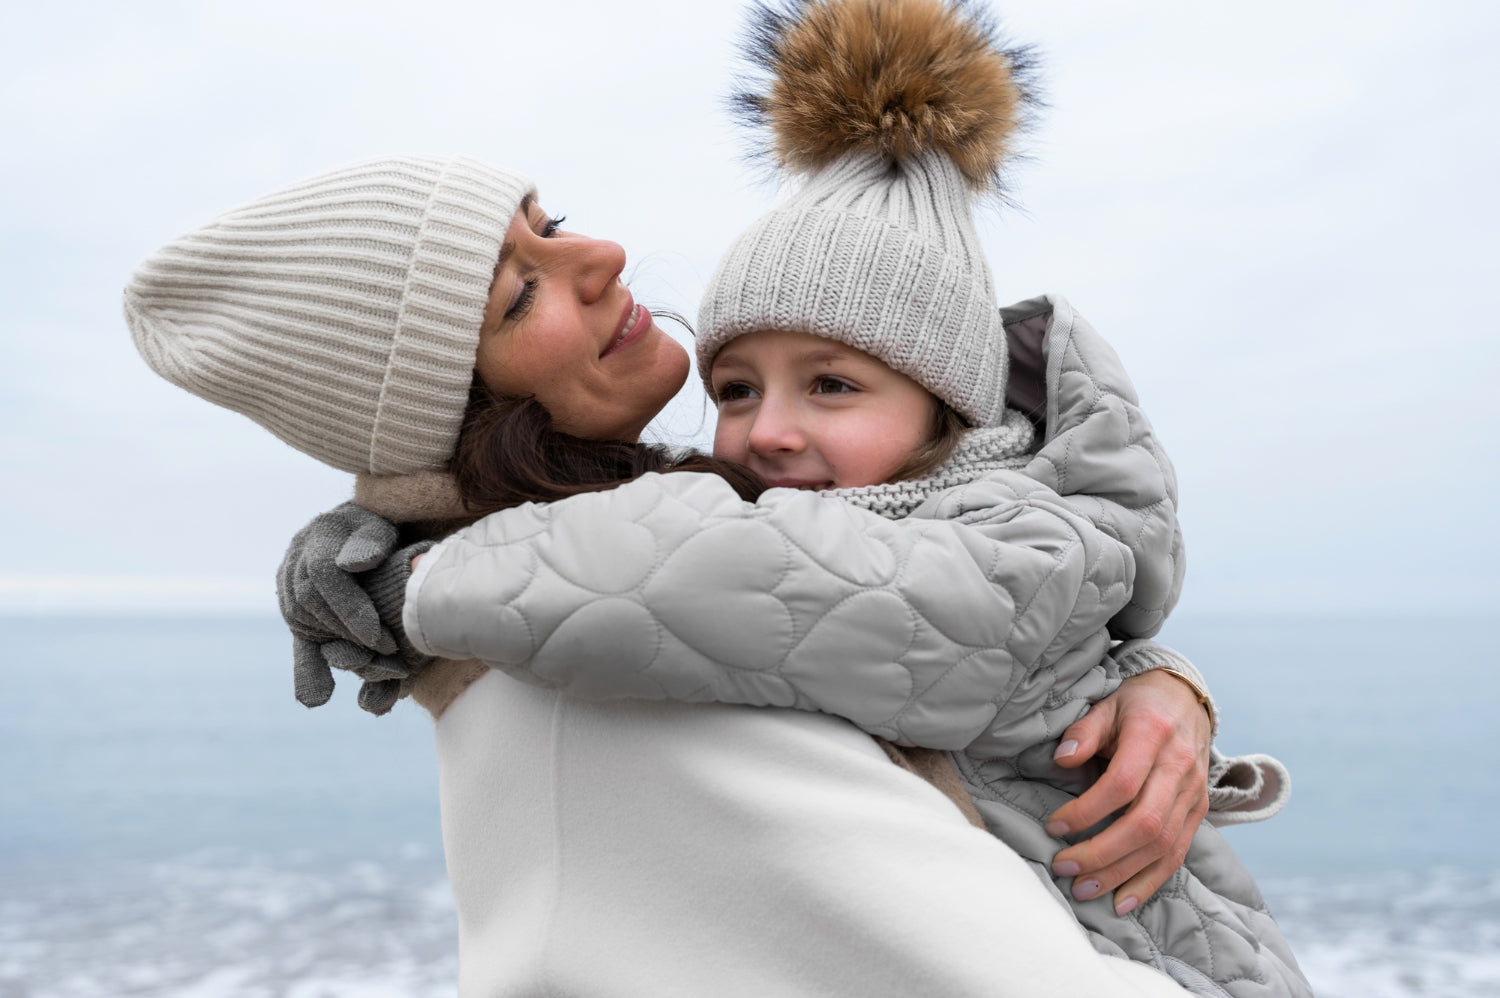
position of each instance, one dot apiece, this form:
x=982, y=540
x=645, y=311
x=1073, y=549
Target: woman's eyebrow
x=507, y=247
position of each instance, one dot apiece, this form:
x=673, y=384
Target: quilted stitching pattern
x=929, y=633
x=981, y=628
x=1100, y=454
x=1209, y=915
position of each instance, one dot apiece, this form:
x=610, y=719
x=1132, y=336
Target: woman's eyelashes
x=522, y=304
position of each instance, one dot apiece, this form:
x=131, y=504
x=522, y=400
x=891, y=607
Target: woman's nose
x=597, y=264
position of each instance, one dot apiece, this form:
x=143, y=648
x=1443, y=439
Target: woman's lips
x=634, y=326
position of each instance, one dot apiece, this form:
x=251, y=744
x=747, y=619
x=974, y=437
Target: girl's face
x=808, y=413
x=561, y=326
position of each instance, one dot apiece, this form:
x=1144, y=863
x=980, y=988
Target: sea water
x=173, y=823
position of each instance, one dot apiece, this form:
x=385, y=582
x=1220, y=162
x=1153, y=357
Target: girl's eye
x=830, y=385
x=523, y=301
x=553, y=224
x=733, y=391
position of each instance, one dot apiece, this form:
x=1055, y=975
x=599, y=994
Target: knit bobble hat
x=342, y=314
x=895, y=116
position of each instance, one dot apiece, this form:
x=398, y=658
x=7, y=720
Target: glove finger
x=315, y=615
x=383, y=667
x=311, y=679
x=341, y=595
x=346, y=655
x=379, y=697
x=369, y=545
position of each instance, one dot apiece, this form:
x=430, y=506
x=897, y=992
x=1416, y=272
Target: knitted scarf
x=979, y=452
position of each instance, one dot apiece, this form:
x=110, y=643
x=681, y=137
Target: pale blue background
x=1283, y=217
x=173, y=823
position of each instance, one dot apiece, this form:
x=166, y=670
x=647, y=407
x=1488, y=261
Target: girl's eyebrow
x=824, y=355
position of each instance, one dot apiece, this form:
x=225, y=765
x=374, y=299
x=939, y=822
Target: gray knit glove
x=341, y=587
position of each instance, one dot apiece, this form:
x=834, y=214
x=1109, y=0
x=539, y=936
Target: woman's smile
x=637, y=322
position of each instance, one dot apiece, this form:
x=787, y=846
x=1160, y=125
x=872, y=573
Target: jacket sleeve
x=1098, y=450
x=936, y=632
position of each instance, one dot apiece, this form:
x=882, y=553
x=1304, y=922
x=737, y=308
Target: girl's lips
x=634, y=326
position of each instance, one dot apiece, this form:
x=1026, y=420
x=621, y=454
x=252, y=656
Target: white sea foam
x=220, y=924
x=217, y=925
x=1434, y=934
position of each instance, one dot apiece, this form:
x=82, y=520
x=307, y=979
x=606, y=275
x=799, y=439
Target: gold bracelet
x=1204, y=699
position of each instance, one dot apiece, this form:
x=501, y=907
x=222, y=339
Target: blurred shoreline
x=173, y=823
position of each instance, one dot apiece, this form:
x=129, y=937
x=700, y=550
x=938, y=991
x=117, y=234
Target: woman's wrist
x=1204, y=700
x=1139, y=657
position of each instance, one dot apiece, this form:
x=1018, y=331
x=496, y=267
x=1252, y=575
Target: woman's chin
x=657, y=384
x=676, y=367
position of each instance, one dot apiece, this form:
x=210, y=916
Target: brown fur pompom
x=898, y=76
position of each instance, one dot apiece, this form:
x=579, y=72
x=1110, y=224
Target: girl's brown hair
x=947, y=429
x=509, y=453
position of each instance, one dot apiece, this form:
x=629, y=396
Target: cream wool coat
x=978, y=624
x=658, y=849
x=655, y=849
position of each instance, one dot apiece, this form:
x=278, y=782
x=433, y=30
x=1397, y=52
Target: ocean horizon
x=173, y=823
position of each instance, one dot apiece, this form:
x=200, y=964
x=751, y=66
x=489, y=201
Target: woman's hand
x=341, y=587
x=1156, y=736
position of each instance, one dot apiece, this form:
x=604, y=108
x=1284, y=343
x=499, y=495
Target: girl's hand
x=1156, y=736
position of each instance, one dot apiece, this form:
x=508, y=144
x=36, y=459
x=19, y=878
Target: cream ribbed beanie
x=342, y=314
x=896, y=114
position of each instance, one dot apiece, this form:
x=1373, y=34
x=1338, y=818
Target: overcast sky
x=1283, y=216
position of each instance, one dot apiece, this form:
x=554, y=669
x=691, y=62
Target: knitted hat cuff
x=342, y=313
x=872, y=285
x=431, y=364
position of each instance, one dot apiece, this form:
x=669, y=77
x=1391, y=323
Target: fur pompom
x=898, y=76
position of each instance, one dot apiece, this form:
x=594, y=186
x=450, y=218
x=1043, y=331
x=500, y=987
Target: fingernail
x=1057, y=829
x=1126, y=906
x=1086, y=889
x=1066, y=749
x=1066, y=868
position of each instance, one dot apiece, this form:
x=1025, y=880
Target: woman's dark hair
x=509, y=453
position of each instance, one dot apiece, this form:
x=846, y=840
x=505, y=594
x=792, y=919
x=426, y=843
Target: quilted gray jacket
x=979, y=624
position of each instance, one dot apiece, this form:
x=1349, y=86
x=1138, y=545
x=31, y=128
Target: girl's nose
x=776, y=430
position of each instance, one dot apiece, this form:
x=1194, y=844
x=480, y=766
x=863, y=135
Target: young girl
x=851, y=341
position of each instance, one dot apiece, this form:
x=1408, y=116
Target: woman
x=599, y=848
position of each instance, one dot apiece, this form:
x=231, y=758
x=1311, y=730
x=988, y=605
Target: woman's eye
x=523, y=301
x=733, y=391
x=553, y=224
x=831, y=386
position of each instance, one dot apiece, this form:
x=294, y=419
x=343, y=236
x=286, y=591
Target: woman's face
x=561, y=326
